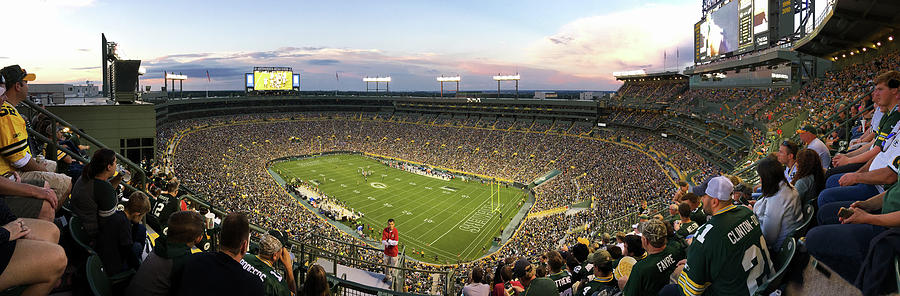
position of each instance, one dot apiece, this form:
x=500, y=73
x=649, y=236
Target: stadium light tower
x=377, y=80
x=173, y=77
x=443, y=79
x=500, y=78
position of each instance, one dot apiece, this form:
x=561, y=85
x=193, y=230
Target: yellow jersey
x=13, y=140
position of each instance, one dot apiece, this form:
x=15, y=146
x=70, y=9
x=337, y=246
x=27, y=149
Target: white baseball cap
x=718, y=187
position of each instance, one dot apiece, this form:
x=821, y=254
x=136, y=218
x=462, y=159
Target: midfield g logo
x=378, y=185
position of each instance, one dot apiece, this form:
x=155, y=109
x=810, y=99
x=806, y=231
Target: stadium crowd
x=668, y=252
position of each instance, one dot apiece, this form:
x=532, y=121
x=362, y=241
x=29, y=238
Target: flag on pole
x=207, y=76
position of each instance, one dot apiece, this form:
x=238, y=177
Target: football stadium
x=761, y=164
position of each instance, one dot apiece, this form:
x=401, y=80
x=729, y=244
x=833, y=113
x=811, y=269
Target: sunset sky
x=554, y=45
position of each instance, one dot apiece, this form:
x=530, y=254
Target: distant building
x=58, y=93
x=589, y=96
x=543, y=95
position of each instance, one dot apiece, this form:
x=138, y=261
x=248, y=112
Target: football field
x=452, y=220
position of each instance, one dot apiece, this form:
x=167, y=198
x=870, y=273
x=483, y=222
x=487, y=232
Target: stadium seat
x=76, y=228
x=897, y=271
x=809, y=212
x=99, y=282
x=782, y=260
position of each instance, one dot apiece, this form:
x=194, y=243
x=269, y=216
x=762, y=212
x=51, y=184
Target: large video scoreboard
x=272, y=79
x=731, y=27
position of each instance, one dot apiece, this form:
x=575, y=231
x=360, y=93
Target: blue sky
x=552, y=44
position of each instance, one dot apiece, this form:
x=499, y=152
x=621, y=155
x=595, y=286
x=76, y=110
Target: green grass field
x=449, y=219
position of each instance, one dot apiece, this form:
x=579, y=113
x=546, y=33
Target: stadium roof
x=852, y=25
x=644, y=75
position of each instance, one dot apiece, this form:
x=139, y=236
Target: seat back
x=76, y=228
x=99, y=282
x=781, y=262
x=809, y=213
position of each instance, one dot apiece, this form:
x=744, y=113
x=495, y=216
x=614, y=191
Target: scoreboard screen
x=273, y=80
x=731, y=27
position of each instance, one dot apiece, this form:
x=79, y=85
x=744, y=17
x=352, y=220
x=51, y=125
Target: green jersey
x=729, y=255
x=541, y=287
x=600, y=286
x=649, y=275
x=687, y=229
x=563, y=282
x=699, y=215
x=885, y=127
x=273, y=281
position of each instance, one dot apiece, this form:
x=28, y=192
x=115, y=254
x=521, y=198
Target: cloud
x=322, y=62
x=83, y=49
x=596, y=46
x=85, y=68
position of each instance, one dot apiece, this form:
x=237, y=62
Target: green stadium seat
x=76, y=228
x=102, y=284
x=99, y=282
x=782, y=261
x=809, y=213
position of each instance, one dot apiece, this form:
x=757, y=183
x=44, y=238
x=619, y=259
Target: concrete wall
x=111, y=123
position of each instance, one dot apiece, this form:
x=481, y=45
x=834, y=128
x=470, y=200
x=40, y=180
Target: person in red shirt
x=390, y=238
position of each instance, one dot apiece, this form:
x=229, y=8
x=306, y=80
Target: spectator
x=886, y=97
x=650, y=274
x=476, y=286
x=390, y=238
x=271, y=252
x=779, y=208
x=870, y=180
x=787, y=156
x=17, y=162
x=603, y=283
x=685, y=228
x=220, y=273
x=165, y=204
x=316, y=283
x=166, y=261
x=810, y=179
x=809, y=135
x=504, y=285
x=714, y=260
x=121, y=240
x=533, y=286
x=94, y=199
x=558, y=274
x=698, y=214
x=29, y=255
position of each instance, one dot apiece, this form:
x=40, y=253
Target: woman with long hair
x=93, y=195
x=810, y=177
x=316, y=284
x=778, y=208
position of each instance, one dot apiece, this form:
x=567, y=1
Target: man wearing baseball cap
x=603, y=283
x=534, y=286
x=809, y=135
x=650, y=274
x=16, y=155
x=729, y=255
x=271, y=252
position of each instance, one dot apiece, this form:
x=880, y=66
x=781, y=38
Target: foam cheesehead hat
x=717, y=187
